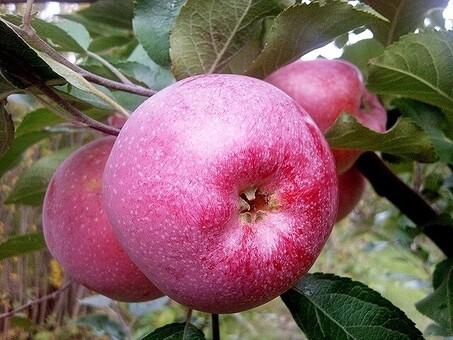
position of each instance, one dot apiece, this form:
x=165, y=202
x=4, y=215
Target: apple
x=222, y=190
x=326, y=88
x=351, y=186
x=78, y=233
x=116, y=121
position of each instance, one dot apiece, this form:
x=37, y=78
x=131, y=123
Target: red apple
x=351, y=186
x=116, y=121
x=325, y=89
x=222, y=190
x=78, y=233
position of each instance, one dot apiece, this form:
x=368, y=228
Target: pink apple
x=351, y=186
x=78, y=233
x=222, y=190
x=325, y=89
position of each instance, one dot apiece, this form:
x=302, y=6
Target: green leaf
x=405, y=139
x=19, y=63
x=37, y=120
x=105, y=17
x=207, y=34
x=76, y=80
x=326, y=306
x=102, y=324
x=21, y=244
x=6, y=130
x=175, y=331
x=58, y=38
x=32, y=184
x=361, y=52
x=433, y=121
x=439, y=304
x=404, y=17
x=304, y=27
x=152, y=24
x=77, y=31
x=21, y=143
x=418, y=66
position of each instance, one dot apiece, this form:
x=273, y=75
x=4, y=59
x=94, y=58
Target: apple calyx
x=254, y=203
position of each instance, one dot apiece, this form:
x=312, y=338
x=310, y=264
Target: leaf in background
x=405, y=139
x=326, y=306
x=37, y=120
x=433, y=121
x=209, y=33
x=19, y=62
x=58, y=38
x=162, y=77
x=404, y=17
x=418, y=66
x=21, y=143
x=6, y=129
x=105, y=17
x=102, y=324
x=97, y=301
x=77, y=31
x=302, y=28
x=21, y=244
x=32, y=184
x=175, y=331
x=152, y=23
x=361, y=52
x=439, y=304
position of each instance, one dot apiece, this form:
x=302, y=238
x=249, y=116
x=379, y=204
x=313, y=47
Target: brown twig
x=35, y=41
x=409, y=202
x=79, y=117
x=37, y=301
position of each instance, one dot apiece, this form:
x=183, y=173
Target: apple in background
x=116, y=121
x=351, y=186
x=78, y=233
x=222, y=190
x=325, y=89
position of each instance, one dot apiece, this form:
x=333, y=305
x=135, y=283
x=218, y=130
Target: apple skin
x=326, y=88
x=78, y=233
x=173, y=182
x=351, y=186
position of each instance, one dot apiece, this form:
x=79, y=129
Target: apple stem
x=408, y=201
x=215, y=327
x=188, y=320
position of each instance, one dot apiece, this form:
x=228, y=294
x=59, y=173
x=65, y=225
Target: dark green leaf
x=102, y=324
x=433, y=121
x=6, y=129
x=418, y=66
x=439, y=304
x=105, y=17
x=21, y=143
x=21, y=244
x=326, y=306
x=58, y=38
x=107, y=44
x=405, y=139
x=404, y=17
x=304, y=27
x=208, y=34
x=19, y=63
x=32, y=184
x=152, y=23
x=175, y=331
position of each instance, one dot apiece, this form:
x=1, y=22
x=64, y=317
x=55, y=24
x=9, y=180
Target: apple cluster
x=220, y=191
